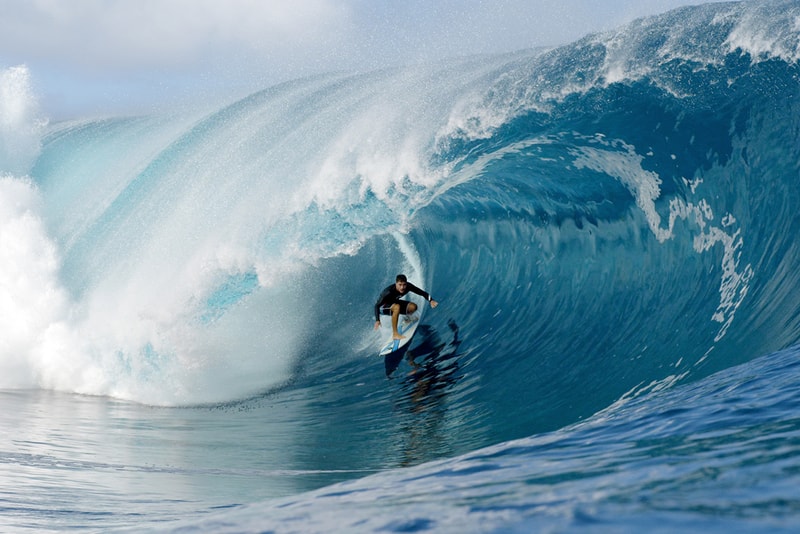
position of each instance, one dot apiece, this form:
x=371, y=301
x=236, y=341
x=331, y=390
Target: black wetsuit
x=391, y=295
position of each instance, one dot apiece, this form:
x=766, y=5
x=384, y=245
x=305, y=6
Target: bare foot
x=397, y=336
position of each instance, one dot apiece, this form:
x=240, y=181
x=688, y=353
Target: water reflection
x=434, y=372
x=428, y=355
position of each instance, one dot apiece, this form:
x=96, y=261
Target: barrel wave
x=598, y=221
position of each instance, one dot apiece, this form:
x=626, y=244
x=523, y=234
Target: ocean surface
x=610, y=228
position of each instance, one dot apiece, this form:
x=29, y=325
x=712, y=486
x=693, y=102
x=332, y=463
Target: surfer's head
x=400, y=283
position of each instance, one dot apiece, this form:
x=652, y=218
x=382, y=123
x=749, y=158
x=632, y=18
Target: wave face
x=598, y=221
x=602, y=215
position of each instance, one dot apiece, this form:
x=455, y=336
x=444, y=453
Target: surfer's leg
x=408, y=313
x=395, y=316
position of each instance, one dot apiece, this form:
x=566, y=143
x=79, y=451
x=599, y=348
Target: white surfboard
x=406, y=326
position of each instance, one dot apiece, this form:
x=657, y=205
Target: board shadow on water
x=422, y=403
x=430, y=352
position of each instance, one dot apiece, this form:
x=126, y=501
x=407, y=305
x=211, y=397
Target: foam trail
x=414, y=264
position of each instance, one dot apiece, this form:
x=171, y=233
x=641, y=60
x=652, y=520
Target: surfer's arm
x=378, y=304
x=422, y=293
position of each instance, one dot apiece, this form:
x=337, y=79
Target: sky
x=109, y=56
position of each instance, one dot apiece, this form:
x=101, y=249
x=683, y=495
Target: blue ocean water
x=186, y=298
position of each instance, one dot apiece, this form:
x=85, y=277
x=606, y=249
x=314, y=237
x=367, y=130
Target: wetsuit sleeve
x=381, y=298
x=421, y=292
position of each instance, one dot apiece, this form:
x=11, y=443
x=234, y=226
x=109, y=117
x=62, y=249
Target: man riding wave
x=390, y=302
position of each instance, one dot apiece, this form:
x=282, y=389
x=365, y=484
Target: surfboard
x=406, y=325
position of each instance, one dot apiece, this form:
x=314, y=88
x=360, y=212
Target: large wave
x=596, y=219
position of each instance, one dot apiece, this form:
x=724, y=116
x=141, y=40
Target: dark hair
x=401, y=278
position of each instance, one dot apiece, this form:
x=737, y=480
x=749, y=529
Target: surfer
x=390, y=303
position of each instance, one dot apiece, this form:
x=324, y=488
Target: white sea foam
x=767, y=31
x=32, y=303
x=130, y=328
x=21, y=121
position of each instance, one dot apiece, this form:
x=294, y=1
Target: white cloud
x=123, y=34
x=99, y=55
x=119, y=34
